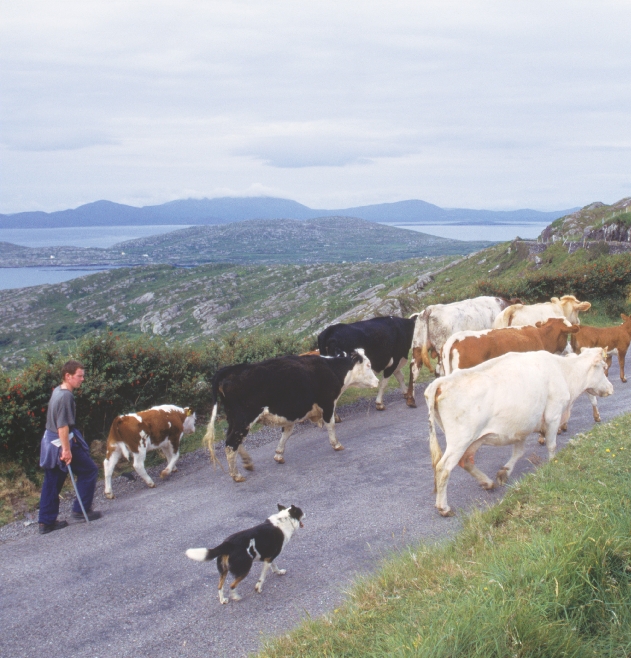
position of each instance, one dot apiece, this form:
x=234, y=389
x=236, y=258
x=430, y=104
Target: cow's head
x=571, y=307
x=554, y=333
x=189, y=421
x=597, y=382
x=360, y=375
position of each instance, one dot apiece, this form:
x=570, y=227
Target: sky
x=465, y=103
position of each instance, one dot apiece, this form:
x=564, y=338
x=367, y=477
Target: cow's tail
x=432, y=392
x=206, y=554
x=422, y=339
x=209, y=439
x=446, y=357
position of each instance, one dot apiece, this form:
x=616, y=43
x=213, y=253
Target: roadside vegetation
x=545, y=573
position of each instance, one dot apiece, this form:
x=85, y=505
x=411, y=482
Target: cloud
x=55, y=139
x=325, y=144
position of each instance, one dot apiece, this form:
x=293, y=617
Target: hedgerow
x=602, y=278
x=122, y=375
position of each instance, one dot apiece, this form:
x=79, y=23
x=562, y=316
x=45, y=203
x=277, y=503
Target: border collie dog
x=263, y=542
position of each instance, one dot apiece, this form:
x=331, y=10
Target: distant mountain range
x=226, y=210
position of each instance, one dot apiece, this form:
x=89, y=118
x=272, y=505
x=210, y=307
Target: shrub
x=122, y=375
x=604, y=277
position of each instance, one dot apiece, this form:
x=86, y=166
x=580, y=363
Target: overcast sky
x=475, y=104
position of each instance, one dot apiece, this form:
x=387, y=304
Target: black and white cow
x=282, y=392
x=386, y=341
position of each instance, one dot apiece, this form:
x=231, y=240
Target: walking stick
x=57, y=442
x=74, y=484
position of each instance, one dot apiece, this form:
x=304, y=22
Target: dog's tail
x=206, y=554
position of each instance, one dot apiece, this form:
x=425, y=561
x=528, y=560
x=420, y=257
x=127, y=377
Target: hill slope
x=326, y=239
x=233, y=209
x=193, y=304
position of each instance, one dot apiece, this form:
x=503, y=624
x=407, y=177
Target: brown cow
x=613, y=338
x=466, y=349
x=136, y=434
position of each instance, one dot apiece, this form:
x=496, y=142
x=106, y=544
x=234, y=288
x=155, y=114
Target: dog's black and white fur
x=263, y=542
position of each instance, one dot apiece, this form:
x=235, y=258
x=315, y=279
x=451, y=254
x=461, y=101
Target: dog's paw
x=281, y=572
x=234, y=596
x=258, y=587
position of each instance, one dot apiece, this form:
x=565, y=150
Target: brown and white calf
x=466, y=349
x=134, y=435
x=518, y=315
x=502, y=401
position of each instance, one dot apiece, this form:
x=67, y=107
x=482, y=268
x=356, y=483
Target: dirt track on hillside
x=123, y=587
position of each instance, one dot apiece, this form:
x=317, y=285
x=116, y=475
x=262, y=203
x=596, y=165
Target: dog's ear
x=296, y=512
x=281, y=507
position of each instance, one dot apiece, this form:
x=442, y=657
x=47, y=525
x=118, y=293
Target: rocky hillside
x=327, y=239
x=196, y=304
x=597, y=221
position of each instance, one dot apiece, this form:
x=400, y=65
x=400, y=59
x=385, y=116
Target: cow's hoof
x=488, y=486
x=279, y=459
x=541, y=440
x=164, y=473
x=563, y=428
x=379, y=406
x=339, y=446
x=174, y=469
x=338, y=420
x=502, y=476
x=151, y=485
x=248, y=467
x=623, y=380
x=597, y=419
x=110, y=496
x=446, y=512
x=238, y=478
x=411, y=402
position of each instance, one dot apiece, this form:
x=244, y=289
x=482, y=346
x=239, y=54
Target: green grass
x=546, y=573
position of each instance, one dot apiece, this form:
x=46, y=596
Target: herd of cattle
x=504, y=370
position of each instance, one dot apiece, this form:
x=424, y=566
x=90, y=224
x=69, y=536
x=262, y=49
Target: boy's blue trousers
x=86, y=473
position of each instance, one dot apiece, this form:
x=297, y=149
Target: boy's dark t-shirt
x=61, y=410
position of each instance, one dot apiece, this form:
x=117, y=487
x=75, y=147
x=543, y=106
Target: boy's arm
x=66, y=455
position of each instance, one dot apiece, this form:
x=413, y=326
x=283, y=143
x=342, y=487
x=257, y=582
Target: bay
x=82, y=236
x=23, y=277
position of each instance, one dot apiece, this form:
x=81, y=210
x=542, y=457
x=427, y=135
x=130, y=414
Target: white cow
x=502, y=401
x=439, y=321
x=518, y=315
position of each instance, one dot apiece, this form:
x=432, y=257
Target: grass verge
x=546, y=573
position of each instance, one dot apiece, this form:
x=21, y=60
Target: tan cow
x=466, y=349
x=136, y=434
x=519, y=315
x=613, y=338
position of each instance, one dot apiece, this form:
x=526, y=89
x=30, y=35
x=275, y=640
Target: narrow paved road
x=123, y=587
